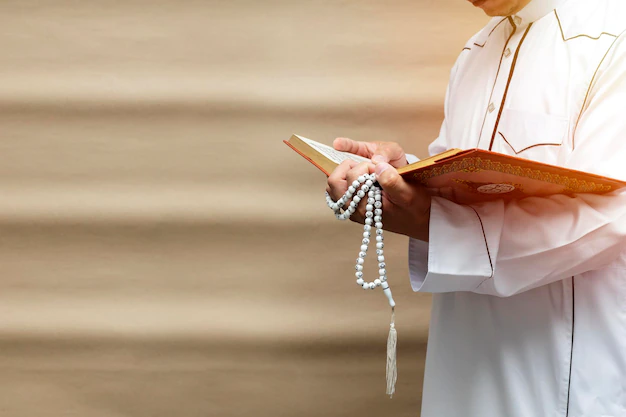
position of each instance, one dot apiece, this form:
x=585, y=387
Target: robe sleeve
x=502, y=249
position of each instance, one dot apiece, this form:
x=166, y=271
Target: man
x=529, y=310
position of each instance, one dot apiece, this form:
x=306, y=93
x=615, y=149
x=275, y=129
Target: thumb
x=398, y=191
x=389, y=152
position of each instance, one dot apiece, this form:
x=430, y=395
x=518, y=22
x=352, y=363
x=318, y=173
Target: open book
x=473, y=175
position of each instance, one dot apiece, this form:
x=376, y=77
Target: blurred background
x=162, y=253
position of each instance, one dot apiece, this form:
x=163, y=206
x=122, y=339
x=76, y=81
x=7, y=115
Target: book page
x=332, y=154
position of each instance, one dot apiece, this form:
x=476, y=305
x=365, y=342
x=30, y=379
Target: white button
x=491, y=107
x=507, y=52
x=517, y=20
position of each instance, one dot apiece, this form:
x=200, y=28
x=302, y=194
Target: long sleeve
x=502, y=248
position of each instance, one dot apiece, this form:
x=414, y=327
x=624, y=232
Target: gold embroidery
x=473, y=186
x=477, y=164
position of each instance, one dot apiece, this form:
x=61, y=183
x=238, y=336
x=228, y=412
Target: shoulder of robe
x=591, y=19
x=481, y=38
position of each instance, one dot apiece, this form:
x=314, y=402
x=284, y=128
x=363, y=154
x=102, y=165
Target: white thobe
x=529, y=310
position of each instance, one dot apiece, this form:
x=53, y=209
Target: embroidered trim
x=571, y=352
x=582, y=109
x=506, y=44
x=528, y=147
x=486, y=245
x=508, y=84
x=477, y=164
x=494, y=28
x=581, y=35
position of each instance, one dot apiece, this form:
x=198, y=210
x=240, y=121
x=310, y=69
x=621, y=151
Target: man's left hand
x=406, y=207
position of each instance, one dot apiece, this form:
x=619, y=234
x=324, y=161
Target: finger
x=352, y=146
x=398, y=191
x=337, y=183
x=389, y=152
x=358, y=170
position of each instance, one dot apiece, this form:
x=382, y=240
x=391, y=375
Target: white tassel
x=392, y=367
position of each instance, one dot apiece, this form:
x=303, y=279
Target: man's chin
x=488, y=7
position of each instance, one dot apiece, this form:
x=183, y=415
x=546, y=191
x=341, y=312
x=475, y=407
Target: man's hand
x=406, y=207
x=389, y=152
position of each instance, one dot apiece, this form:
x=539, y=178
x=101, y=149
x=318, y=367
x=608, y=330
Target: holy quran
x=473, y=175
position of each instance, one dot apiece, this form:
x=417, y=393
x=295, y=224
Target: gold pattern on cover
x=473, y=186
x=477, y=164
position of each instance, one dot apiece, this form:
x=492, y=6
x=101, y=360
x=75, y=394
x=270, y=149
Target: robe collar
x=535, y=10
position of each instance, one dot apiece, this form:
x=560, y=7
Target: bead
x=383, y=279
x=335, y=207
x=366, y=234
x=369, y=182
x=356, y=199
x=359, y=274
x=378, y=197
x=378, y=212
x=378, y=225
x=380, y=245
x=366, y=286
x=370, y=200
x=381, y=258
x=377, y=203
x=360, y=261
x=365, y=241
x=368, y=222
x=351, y=189
x=379, y=238
x=377, y=282
x=373, y=176
x=369, y=207
x=365, y=188
x=364, y=248
x=360, y=194
x=382, y=265
x=362, y=254
x=382, y=272
x=367, y=228
x=361, y=179
x=379, y=252
x=379, y=232
x=358, y=267
x=352, y=204
x=372, y=285
x=369, y=214
x=356, y=184
x=378, y=219
x=371, y=193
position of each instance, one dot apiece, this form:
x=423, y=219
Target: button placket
x=498, y=90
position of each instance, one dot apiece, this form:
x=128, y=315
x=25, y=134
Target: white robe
x=529, y=310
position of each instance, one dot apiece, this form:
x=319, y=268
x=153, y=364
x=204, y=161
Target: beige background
x=162, y=253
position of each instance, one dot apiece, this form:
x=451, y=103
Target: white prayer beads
x=362, y=186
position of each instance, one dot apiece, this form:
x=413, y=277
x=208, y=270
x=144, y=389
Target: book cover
x=474, y=175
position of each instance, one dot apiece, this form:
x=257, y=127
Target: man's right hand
x=389, y=152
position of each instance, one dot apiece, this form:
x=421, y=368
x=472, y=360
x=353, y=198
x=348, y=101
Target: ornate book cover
x=474, y=175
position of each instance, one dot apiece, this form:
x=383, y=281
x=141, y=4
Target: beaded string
x=366, y=184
